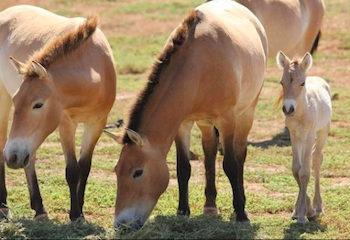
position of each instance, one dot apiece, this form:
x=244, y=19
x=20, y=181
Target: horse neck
x=302, y=103
x=169, y=105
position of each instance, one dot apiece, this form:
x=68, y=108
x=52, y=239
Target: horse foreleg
x=5, y=105
x=305, y=208
x=67, y=130
x=317, y=157
x=36, y=201
x=182, y=141
x=210, y=148
x=92, y=132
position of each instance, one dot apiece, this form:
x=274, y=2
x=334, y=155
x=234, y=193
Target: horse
x=62, y=74
x=300, y=37
x=212, y=69
x=308, y=109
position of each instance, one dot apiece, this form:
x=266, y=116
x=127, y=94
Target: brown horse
x=300, y=37
x=66, y=76
x=212, y=68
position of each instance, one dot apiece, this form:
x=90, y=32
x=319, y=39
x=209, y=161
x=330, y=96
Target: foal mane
x=62, y=45
x=163, y=60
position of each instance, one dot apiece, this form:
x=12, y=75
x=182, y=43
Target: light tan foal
x=308, y=108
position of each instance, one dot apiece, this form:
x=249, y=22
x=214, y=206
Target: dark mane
x=163, y=60
x=61, y=46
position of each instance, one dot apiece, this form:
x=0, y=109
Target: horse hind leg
x=210, y=148
x=183, y=168
x=5, y=106
x=234, y=139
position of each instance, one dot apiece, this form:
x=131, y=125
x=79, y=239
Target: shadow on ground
x=297, y=230
x=28, y=229
x=280, y=140
x=200, y=227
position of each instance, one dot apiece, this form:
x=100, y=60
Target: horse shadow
x=296, y=230
x=52, y=229
x=281, y=139
x=198, y=227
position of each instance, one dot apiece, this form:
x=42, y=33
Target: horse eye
x=137, y=174
x=38, y=105
x=302, y=84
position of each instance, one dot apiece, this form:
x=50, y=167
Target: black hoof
x=183, y=212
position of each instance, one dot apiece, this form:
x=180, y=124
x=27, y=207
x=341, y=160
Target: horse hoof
x=312, y=218
x=319, y=212
x=294, y=216
x=212, y=211
x=183, y=212
x=301, y=221
x=42, y=217
x=5, y=213
x=245, y=224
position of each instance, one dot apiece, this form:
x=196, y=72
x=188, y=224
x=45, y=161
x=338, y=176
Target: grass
x=270, y=188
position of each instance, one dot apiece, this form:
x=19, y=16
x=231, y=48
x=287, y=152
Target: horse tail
x=315, y=45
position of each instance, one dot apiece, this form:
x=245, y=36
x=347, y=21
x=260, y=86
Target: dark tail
x=315, y=45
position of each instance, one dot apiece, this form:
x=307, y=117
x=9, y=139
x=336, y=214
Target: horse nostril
x=284, y=109
x=291, y=110
x=26, y=161
x=13, y=159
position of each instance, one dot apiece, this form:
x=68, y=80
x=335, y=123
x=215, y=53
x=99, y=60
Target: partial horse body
x=308, y=108
x=62, y=74
x=212, y=69
x=292, y=26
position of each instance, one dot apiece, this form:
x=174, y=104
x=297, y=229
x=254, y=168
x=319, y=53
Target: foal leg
x=67, y=130
x=36, y=201
x=210, y=148
x=304, y=208
x=182, y=141
x=5, y=105
x=317, y=157
x=92, y=132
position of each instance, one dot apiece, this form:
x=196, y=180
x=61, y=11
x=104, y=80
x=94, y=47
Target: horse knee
x=304, y=174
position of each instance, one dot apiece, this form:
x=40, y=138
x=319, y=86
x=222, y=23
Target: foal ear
x=306, y=63
x=17, y=65
x=39, y=69
x=117, y=138
x=282, y=60
x=135, y=137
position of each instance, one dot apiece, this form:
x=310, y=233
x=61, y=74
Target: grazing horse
x=211, y=68
x=308, y=108
x=63, y=74
x=300, y=37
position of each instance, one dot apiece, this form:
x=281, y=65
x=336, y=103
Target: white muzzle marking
x=288, y=103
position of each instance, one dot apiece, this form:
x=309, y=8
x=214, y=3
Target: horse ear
x=117, y=138
x=282, y=60
x=306, y=63
x=135, y=137
x=39, y=69
x=17, y=65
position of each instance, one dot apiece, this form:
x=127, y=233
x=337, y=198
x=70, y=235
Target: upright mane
x=61, y=45
x=163, y=60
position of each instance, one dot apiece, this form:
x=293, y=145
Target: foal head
x=293, y=80
x=37, y=113
x=143, y=176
